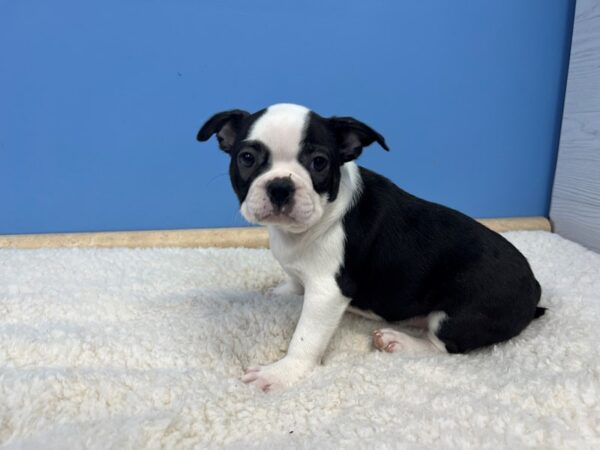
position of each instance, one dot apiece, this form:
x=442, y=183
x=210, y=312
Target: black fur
x=226, y=125
x=339, y=139
x=319, y=141
x=406, y=257
x=231, y=128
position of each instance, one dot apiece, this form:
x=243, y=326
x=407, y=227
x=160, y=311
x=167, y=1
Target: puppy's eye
x=319, y=163
x=246, y=159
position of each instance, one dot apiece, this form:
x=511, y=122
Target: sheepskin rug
x=123, y=348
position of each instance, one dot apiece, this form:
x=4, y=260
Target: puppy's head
x=286, y=160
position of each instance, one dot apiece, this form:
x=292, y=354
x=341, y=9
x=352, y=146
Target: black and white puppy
x=350, y=239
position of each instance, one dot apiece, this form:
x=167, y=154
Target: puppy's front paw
x=278, y=375
x=287, y=287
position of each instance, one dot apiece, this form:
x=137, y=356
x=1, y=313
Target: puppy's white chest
x=311, y=256
x=292, y=257
x=318, y=252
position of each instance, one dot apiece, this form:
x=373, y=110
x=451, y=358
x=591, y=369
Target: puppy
x=349, y=239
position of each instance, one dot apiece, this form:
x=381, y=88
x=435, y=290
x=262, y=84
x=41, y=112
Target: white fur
x=391, y=340
x=312, y=259
x=435, y=320
x=308, y=241
x=290, y=286
x=281, y=128
x=367, y=314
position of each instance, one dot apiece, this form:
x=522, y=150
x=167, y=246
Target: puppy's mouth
x=290, y=213
x=284, y=222
x=277, y=216
x=283, y=219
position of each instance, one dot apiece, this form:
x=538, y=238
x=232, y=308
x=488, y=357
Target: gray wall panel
x=575, y=208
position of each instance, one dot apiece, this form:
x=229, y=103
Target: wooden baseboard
x=517, y=223
x=250, y=237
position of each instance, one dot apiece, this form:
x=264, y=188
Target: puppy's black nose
x=280, y=191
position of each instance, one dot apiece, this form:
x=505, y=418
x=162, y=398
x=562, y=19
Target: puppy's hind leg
x=389, y=340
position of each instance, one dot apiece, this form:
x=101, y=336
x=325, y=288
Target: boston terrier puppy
x=351, y=240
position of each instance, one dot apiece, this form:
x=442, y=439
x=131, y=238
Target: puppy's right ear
x=226, y=125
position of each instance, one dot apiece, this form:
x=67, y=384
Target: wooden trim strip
x=250, y=237
x=517, y=223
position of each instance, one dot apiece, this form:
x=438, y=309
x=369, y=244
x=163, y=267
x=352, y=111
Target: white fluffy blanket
x=126, y=348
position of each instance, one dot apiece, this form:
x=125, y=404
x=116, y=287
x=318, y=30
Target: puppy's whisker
x=216, y=177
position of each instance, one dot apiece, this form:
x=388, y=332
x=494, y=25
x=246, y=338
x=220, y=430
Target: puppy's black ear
x=226, y=125
x=353, y=135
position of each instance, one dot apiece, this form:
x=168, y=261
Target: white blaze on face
x=282, y=128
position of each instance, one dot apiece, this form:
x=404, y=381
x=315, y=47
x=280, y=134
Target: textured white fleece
x=141, y=348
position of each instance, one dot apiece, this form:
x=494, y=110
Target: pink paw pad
x=384, y=341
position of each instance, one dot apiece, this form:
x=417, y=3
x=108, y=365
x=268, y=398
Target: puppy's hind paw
x=391, y=341
x=384, y=340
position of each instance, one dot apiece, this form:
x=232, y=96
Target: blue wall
x=100, y=102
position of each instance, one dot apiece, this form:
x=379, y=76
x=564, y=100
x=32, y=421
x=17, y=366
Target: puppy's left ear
x=226, y=125
x=353, y=135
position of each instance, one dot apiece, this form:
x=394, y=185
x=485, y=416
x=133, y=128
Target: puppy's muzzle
x=280, y=192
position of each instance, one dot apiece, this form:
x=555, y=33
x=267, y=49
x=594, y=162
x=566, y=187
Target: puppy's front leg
x=322, y=310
